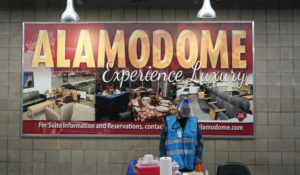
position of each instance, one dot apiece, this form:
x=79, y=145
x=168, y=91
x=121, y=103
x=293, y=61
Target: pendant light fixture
x=69, y=15
x=206, y=11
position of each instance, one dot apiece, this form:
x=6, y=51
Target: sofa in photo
x=32, y=98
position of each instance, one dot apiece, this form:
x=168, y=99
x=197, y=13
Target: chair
x=161, y=94
x=236, y=104
x=152, y=92
x=65, y=96
x=220, y=104
x=233, y=168
x=133, y=95
x=204, y=98
x=74, y=95
x=65, y=113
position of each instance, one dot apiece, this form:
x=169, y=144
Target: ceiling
x=195, y=3
x=219, y=4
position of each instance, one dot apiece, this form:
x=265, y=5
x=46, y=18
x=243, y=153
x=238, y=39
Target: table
x=82, y=94
x=39, y=107
x=51, y=94
x=248, y=97
x=90, y=97
x=143, y=92
x=111, y=105
x=150, y=113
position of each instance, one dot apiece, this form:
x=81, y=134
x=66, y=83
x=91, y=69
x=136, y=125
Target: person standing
x=181, y=139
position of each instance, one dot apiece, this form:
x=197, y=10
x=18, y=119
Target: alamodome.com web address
x=221, y=128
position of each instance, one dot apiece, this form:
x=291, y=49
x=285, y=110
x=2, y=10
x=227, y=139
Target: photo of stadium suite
x=60, y=96
x=140, y=101
x=223, y=100
x=153, y=101
x=86, y=97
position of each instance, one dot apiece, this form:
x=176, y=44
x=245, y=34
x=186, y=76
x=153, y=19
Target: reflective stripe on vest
x=185, y=140
x=170, y=153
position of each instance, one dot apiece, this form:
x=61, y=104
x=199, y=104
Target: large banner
x=125, y=78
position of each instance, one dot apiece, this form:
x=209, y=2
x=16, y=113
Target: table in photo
x=145, y=92
x=39, y=107
x=111, y=105
x=150, y=113
x=51, y=94
x=248, y=97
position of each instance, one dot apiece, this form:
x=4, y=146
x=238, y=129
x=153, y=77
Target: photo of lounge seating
x=222, y=105
x=219, y=100
x=60, y=98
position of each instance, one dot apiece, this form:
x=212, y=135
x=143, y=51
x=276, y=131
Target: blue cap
x=184, y=102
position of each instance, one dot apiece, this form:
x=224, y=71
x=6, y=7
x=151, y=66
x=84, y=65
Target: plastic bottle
x=177, y=172
x=206, y=171
x=174, y=167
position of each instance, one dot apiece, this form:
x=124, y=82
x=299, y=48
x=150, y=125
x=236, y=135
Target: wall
x=276, y=149
x=41, y=75
x=42, y=80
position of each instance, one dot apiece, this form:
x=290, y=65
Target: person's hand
x=198, y=173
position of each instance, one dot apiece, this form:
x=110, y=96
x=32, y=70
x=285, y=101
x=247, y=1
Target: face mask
x=184, y=108
x=185, y=111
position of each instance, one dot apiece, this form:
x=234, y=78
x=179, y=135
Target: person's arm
x=163, y=135
x=199, y=150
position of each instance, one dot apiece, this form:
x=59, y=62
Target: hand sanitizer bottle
x=177, y=172
x=175, y=167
